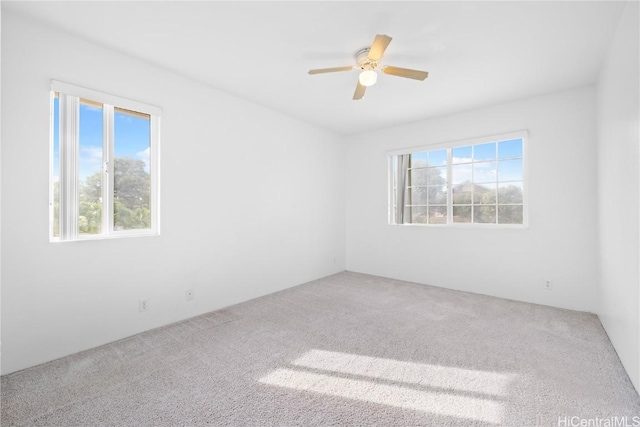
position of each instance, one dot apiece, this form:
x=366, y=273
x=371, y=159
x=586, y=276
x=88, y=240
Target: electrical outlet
x=143, y=305
x=189, y=294
x=547, y=284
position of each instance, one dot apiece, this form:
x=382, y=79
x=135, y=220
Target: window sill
x=469, y=226
x=118, y=235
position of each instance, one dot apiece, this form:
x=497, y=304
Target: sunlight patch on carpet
x=449, y=391
x=445, y=377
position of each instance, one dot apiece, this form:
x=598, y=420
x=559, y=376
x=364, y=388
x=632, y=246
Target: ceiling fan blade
x=405, y=72
x=359, y=93
x=331, y=70
x=378, y=47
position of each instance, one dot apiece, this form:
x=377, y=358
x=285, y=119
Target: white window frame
x=69, y=102
x=523, y=134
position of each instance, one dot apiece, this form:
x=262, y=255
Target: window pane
x=462, y=194
x=418, y=160
x=419, y=215
x=132, y=183
x=395, y=197
x=438, y=195
x=394, y=174
x=510, y=170
x=485, y=172
x=484, y=152
x=510, y=214
x=461, y=174
x=510, y=193
x=437, y=176
x=484, y=214
x=56, y=166
x=510, y=148
x=461, y=214
x=90, y=168
x=438, y=158
x=461, y=154
x=484, y=194
x=437, y=214
x=418, y=196
x=418, y=176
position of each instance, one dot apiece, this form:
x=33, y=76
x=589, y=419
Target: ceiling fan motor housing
x=363, y=61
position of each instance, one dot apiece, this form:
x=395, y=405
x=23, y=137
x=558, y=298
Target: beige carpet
x=349, y=349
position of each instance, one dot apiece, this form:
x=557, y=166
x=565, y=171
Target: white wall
x=560, y=243
x=252, y=202
x=618, y=119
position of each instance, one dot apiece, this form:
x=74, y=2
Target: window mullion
x=154, y=169
x=108, y=170
x=497, y=186
x=391, y=196
x=449, y=186
x=69, y=153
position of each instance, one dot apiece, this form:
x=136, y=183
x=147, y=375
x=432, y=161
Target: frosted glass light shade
x=368, y=78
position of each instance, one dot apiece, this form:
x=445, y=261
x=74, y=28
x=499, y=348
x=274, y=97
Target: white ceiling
x=477, y=53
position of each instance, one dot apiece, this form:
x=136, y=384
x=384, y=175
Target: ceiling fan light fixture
x=368, y=78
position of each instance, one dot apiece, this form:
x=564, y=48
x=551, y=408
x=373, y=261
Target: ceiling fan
x=368, y=60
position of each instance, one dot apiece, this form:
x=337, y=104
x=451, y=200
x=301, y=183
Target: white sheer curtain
x=402, y=166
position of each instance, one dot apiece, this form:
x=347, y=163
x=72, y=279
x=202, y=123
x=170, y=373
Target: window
x=104, y=171
x=474, y=182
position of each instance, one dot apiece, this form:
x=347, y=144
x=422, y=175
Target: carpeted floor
x=349, y=349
